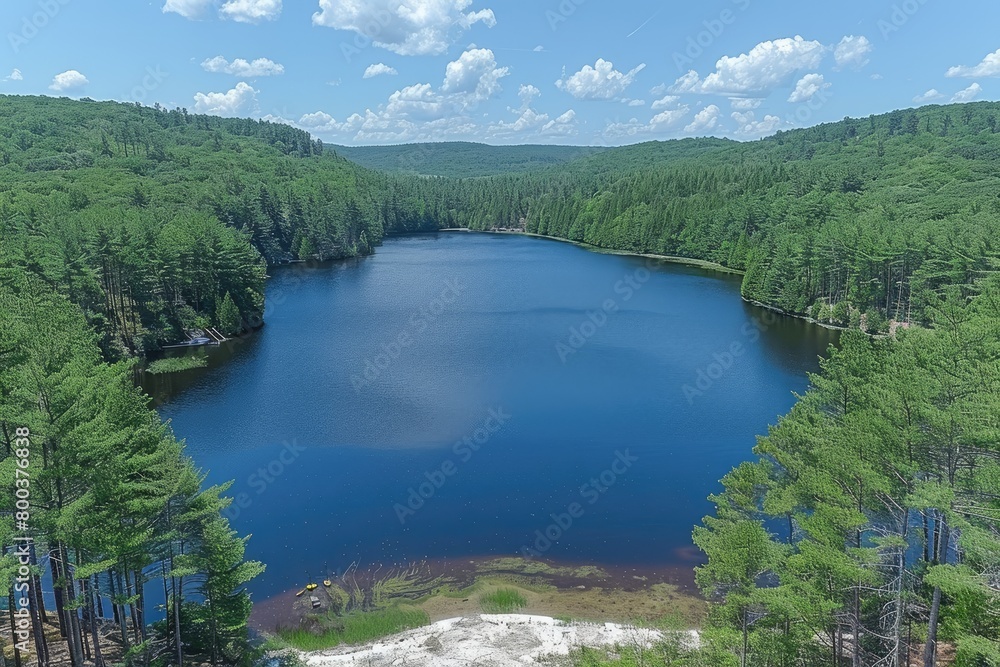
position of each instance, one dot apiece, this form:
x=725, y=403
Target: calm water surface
x=329, y=429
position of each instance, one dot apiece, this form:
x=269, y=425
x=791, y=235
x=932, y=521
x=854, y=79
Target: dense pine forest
x=867, y=532
x=99, y=497
x=859, y=220
x=151, y=220
x=458, y=159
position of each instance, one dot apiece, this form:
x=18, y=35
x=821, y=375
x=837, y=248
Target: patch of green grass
x=357, y=628
x=502, y=601
x=662, y=655
x=176, y=364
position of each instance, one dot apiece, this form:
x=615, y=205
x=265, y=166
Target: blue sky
x=553, y=71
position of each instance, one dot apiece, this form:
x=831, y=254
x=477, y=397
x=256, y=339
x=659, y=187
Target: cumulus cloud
x=189, y=9
x=852, y=52
x=634, y=103
x=406, y=27
x=748, y=126
x=423, y=112
x=600, y=82
x=658, y=124
x=240, y=100
x=664, y=102
x=745, y=103
x=528, y=93
x=475, y=73
x=530, y=123
x=243, y=68
x=15, y=75
x=807, y=87
x=705, y=120
x=68, y=80
x=251, y=11
x=766, y=67
x=990, y=66
x=969, y=94
x=379, y=69
x=929, y=96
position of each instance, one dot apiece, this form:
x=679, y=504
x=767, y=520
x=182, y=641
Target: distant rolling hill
x=462, y=159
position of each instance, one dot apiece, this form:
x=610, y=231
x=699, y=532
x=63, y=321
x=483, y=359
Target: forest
x=99, y=492
x=849, y=223
x=458, y=159
x=867, y=532
x=152, y=221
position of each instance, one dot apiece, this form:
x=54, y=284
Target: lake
x=467, y=395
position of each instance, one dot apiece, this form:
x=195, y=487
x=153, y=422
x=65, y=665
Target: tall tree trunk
x=37, y=628
x=120, y=608
x=92, y=592
x=930, y=648
x=73, y=633
x=13, y=627
x=57, y=588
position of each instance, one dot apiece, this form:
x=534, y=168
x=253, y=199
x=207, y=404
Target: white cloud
x=748, y=126
x=634, y=103
x=379, y=69
x=242, y=68
x=658, y=124
x=421, y=112
x=475, y=73
x=528, y=93
x=969, y=94
x=807, y=87
x=406, y=27
x=239, y=100
x=767, y=66
x=562, y=125
x=189, y=9
x=929, y=96
x=745, y=103
x=659, y=91
x=852, y=52
x=68, y=80
x=990, y=66
x=530, y=123
x=15, y=75
x=600, y=82
x=664, y=102
x=877, y=77
x=251, y=11
x=539, y=48
x=705, y=120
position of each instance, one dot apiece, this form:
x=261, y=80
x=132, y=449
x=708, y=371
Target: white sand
x=485, y=641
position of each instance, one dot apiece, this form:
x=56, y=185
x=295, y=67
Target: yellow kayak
x=300, y=593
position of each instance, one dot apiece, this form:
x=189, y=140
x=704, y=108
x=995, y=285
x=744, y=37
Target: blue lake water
x=445, y=397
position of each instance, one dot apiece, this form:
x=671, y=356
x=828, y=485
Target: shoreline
x=806, y=318
x=672, y=259
x=447, y=588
